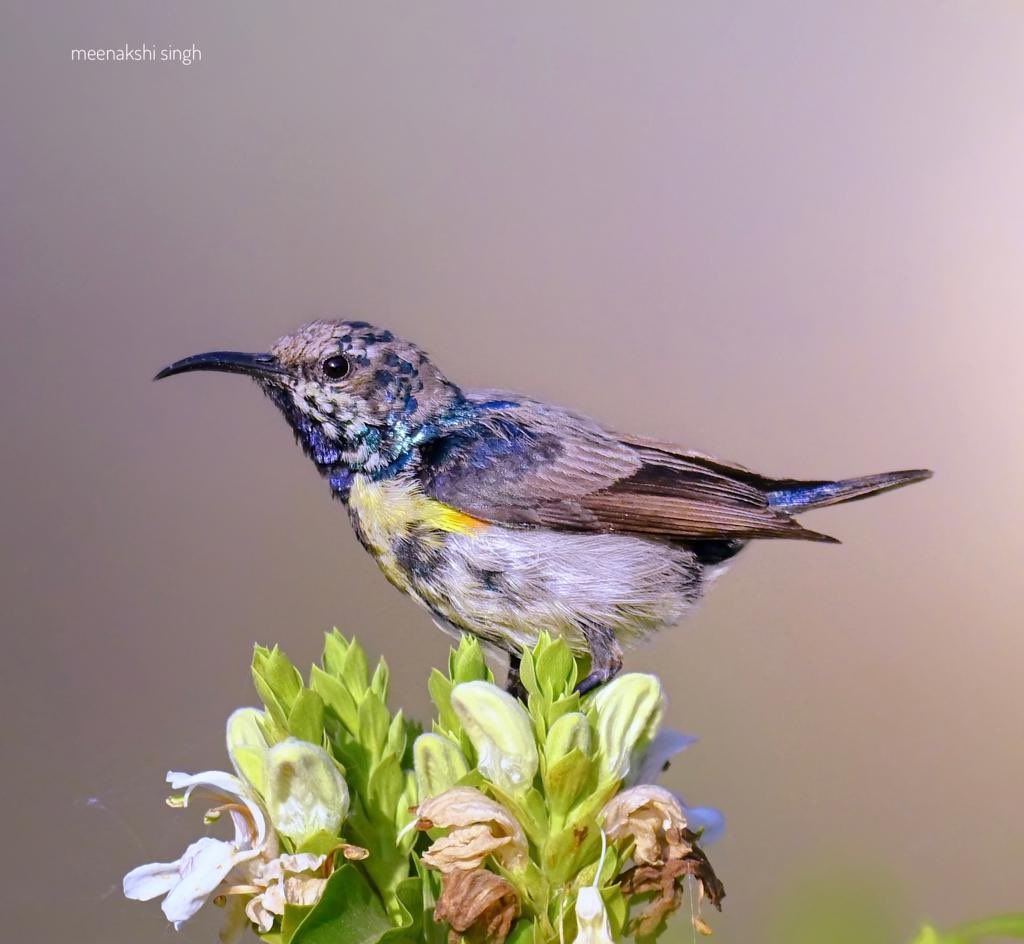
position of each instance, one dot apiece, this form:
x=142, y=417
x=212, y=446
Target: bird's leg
x=513, y=683
x=605, y=658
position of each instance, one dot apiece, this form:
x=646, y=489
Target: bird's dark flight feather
x=525, y=463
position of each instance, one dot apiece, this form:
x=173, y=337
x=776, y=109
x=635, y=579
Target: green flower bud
x=305, y=792
x=628, y=712
x=501, y=732
x=247, y=746
x=570, y=731
x=439, y=764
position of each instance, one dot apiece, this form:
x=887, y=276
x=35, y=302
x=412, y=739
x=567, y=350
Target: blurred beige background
x=788, y=233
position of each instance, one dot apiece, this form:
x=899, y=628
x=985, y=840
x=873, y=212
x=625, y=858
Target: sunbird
x=506, y=516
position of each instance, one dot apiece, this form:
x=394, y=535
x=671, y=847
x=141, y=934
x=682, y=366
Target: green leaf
x=294, y=915
x=409, y=898
x=349, y=912
x=306, y=719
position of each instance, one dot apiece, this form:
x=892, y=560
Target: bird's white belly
x=508, y=585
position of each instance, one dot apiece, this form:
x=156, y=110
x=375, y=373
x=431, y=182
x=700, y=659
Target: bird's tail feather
x=794, y=496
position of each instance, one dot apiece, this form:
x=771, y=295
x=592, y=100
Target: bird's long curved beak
x=232, y=362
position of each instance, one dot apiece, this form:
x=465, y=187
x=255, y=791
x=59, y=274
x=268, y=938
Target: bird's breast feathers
x=390, y=510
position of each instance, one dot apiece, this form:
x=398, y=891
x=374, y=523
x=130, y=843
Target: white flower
x=591, y=918
x=206, y=864
x=282, y=883
x=592, y=925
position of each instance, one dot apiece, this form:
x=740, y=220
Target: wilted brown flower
x=665, y=852
x=653, y=818
x=478, y=905
x=478, y=826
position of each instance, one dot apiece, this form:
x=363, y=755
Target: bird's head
x=357, y=397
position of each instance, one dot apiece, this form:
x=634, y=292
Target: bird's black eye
x=336, y=368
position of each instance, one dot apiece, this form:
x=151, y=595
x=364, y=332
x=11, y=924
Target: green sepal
x=336, y=697
x=554, y=667
x=522, y=932
x=320, y=843
x=277, y=681
x=384, y=790
x=396, y=739
x=355, y=671
x=440, y=688
x=373, y=724
x=467, y=663
x=349, y=912
x=381, y=678
x=335, y=648
x=306, y=719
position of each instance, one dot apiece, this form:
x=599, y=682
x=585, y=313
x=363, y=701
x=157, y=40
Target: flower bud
x=570, y=731
x=628, y=711
x=305, y=793
x=439, y=764
x=501, y=732
x=247, y=746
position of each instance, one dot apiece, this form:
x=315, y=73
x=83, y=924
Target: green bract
x=439, y=764
x=501, y=733
x=628, y=711
x=304, y=792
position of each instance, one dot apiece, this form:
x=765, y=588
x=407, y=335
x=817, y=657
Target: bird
x=505, y=516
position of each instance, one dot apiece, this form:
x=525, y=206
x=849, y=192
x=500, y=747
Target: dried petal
x=472, y=818
x=478, y=905
x=282, y=885
x=666, y=881
x=653, y=818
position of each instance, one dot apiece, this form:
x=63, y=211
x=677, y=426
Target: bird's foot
x=605, y=660
x=513, y=683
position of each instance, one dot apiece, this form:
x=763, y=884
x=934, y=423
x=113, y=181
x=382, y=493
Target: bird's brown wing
x=525, y=463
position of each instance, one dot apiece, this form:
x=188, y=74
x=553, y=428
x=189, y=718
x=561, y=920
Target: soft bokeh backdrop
x=788, y=233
